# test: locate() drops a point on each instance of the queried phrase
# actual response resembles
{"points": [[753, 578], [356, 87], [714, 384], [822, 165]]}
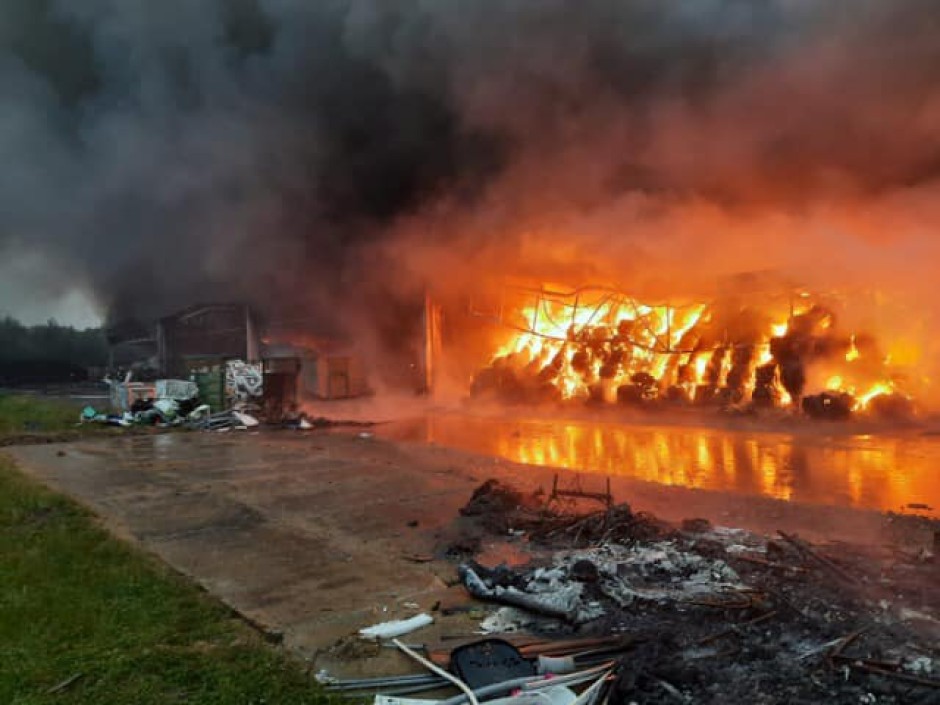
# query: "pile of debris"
{"points": [[639, 611], [167, 402], [175, 403], [500, 509]]}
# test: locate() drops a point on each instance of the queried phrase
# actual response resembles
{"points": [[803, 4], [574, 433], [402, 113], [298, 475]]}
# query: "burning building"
{"points": [[436, 146], [754, 343]]}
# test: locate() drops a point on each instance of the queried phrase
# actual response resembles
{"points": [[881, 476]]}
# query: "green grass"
{"points": [[28, 414], [74, 600]]}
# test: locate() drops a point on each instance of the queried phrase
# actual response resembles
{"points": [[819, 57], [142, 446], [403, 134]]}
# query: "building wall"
{"points": [[216, 331]]}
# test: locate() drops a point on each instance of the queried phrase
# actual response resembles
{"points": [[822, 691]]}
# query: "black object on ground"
{"points": [[829, 406], [489, 661]]}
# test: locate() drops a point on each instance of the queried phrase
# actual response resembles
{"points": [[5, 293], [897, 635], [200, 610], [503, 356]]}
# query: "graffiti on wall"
{"points": [[244, 381]]}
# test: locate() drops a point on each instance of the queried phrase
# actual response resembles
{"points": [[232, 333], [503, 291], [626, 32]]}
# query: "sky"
{"points": [[29, 292]]}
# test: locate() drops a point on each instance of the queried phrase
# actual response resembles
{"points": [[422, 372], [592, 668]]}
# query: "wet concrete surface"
{"points": [[810, 462], [302, 534], [308, 533]]}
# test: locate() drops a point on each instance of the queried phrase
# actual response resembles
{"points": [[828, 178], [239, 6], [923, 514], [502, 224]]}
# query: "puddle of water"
{"points": [[876, 472]]}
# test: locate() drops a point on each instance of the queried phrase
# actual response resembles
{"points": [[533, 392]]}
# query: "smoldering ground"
{"points": [[292, 153]]}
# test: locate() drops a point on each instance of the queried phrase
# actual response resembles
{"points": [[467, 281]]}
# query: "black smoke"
{"points": [[173, 152], [276, 151]]}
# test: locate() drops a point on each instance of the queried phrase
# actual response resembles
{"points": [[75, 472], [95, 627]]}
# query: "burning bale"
{"points": [[831, 406], [892, 406], [602, 346]]}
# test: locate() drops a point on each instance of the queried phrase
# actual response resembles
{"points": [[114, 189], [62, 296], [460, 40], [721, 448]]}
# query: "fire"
{"points": [[853, 353], [861, 401], [600, 345], [878, 389], [592, 347]]}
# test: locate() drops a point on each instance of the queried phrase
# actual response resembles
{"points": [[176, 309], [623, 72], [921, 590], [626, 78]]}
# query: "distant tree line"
{"points": [[48, 352]]}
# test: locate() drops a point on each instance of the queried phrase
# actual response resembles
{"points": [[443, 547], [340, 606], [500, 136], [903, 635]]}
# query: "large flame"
{"points": [[603, 341], [602, 345]]}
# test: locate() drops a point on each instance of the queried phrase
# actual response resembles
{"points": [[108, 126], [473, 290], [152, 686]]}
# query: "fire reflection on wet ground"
{"points": [[886, 472]]}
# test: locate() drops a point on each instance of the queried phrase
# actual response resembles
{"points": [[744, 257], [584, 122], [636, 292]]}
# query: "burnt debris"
{"points": [[708, 614]]}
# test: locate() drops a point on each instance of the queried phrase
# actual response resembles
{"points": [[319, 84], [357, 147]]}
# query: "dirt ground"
{"points": [[313, 535]]}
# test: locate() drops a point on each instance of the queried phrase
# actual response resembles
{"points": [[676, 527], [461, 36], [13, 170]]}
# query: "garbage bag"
{"points": [[176, 389], [168, 408]]}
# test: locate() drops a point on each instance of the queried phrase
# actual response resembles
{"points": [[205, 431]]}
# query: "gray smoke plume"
{"points": [[170, 152], [284, 151]]}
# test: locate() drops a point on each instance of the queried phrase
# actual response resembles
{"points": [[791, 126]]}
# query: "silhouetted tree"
{"points": [[48, 352]]}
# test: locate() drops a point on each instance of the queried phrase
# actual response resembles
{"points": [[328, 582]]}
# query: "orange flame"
{"points": [[592, 344]]}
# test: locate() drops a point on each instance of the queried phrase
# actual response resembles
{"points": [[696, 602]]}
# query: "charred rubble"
{"points": [[705, 614]]}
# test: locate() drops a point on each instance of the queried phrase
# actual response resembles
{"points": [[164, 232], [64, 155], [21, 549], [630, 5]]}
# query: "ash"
{"points": [[721, 615]]}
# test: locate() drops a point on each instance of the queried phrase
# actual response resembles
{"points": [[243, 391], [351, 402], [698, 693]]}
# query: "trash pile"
{"points": [[222, 421], [168, 402], [176, 403], [164, 403], [498, 672], [625, 608], [578, 586]]}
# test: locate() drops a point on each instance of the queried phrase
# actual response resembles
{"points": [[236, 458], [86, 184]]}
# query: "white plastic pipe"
{"points": [[439, 671], [395, 628]]}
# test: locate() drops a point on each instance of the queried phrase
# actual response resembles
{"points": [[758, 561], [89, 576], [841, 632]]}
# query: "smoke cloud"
{"points": [[287, 152]]}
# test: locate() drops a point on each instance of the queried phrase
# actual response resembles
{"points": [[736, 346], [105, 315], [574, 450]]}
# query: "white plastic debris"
{"points": [[658, 572], [394, 700], [559, 695], [507, 620], [906, 614], [556, 664], [246, 420], [397, 627], [168, 408], [177, 389], [199, 412], [920, 666], [438, 671], [736, 549]]}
